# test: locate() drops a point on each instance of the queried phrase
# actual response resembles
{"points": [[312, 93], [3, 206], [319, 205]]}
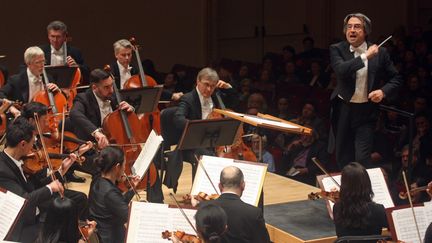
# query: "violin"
{"points": [[149, 120], [36, 160], [404, 195], [332, 196], [202, 196], [182, 236]]}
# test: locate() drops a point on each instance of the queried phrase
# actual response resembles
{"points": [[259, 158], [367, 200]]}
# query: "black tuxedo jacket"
{"points": [[345, 66], [12, 180], [245, 222], [75, 53], [16, 88], [85, 114]]}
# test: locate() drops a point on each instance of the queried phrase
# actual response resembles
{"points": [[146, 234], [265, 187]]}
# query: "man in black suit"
{"points": [[359, 67], [58, 53], [245, 222], [122, 69], [24, 85], [20, 140]]}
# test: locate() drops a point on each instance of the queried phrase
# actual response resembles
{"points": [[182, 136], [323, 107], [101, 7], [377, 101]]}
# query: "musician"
{"points": [[61, 224], [211, 224], [24, 85], [54, 51], [355, 213], [108, 207], [92, 106], [20, 140], [122, 69], [358, 65], [245, 222]]}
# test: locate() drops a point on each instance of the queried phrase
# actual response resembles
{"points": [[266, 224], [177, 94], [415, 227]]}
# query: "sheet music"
{"points": [[10, 206], [254, 175], [147, 154], [147, 221], [405, 227], [379, 187]]}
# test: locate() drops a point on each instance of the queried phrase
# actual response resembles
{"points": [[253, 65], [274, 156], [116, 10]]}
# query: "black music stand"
{"points": [[143, 99], [61, 75]]}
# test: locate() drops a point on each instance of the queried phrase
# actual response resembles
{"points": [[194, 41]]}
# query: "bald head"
{"points": [[231, 178]]}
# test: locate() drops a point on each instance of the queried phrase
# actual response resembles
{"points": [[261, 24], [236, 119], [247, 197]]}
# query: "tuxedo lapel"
{"points": [[196, 104], [93, 104], [17, 172], [25, 86]]}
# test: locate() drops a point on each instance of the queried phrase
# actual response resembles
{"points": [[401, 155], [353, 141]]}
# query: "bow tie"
{"points": [[37, 79], [360, 49]]}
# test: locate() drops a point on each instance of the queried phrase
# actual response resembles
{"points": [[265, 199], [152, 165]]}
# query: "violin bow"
{"points": [[316, 161], [51, 168], [207, 175], [183, 213], [133, 187], [411, 205], [62, 130]]}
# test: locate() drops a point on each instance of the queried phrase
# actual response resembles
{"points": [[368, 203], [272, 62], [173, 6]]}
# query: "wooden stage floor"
{"points": [[277, 189]]}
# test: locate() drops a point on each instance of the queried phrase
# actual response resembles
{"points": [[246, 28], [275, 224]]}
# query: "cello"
{"points": [[118, 127], [56, 101], [149, 120]]}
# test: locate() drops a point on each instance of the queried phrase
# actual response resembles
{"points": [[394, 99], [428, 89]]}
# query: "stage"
{"points": [[288, 218]]}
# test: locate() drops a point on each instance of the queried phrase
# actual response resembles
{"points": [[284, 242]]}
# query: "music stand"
{"points": [[143, 99], [209, 133], [61, 75]]}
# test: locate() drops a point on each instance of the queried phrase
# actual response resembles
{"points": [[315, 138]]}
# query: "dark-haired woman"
{"points": [[61, 223], [210, 222], [356, 213], [107, 205]]}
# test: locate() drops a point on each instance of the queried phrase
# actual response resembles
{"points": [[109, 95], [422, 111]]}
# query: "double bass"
{"points": [[149, 120], [124, 129]]}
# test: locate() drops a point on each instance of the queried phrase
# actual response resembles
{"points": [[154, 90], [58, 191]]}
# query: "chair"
{"points": [[363, 239]]}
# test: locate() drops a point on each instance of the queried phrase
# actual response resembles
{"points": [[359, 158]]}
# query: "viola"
{"points": [[118, 127], [182, 236], [332, 196], [149, 120]]}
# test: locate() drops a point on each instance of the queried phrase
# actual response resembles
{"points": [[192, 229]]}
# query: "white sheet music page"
{"points": [[254, 174], [147, 221], [379, 187], [405, 227], [180, 223], [10, 206], [147, 154]]}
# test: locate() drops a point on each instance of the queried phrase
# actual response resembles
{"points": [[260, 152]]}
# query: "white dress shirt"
{"points": [[125, 74], [104, 107], [206, 105], [35, 84], [57, 57], [361, 87]]}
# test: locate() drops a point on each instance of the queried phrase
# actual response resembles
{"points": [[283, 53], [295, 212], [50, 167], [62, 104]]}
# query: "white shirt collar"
{"points": [[56, 52], [360, 49], [33, 78], [201, 97], [101, 102], [122, 68], [18, 163]]}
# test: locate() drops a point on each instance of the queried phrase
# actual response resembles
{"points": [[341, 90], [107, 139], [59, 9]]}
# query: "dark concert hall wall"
{"points": [[192, 32]]}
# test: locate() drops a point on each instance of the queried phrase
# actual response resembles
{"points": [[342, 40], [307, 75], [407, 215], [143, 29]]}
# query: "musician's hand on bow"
{"points": [[371, 51], [376, 96], [176, 96], [70, 61], [101, 139], [14, 111], [135, 180], [52, 87], [126, 107], [223, 85], [56, 186]]}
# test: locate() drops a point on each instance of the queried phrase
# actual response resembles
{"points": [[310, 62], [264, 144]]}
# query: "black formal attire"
{"points": [[189, 108], [245, 222], [12, 180], [75, 53], [428, 234], [165, 95], [109, 208], [376, 220], [354, 123], [16, 88]]}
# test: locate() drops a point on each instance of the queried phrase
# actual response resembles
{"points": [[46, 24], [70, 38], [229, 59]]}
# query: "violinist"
{"points": [[24, 85], [61, 224], [20, 140], [210, 223], [245, 222], [108, 206], [355, 213], [79, 198], [122, 69], [91, 107], [57, 50]]}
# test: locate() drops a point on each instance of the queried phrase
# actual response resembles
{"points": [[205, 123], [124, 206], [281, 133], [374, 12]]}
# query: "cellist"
{"points": [[24, 85], [123, 70]]}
